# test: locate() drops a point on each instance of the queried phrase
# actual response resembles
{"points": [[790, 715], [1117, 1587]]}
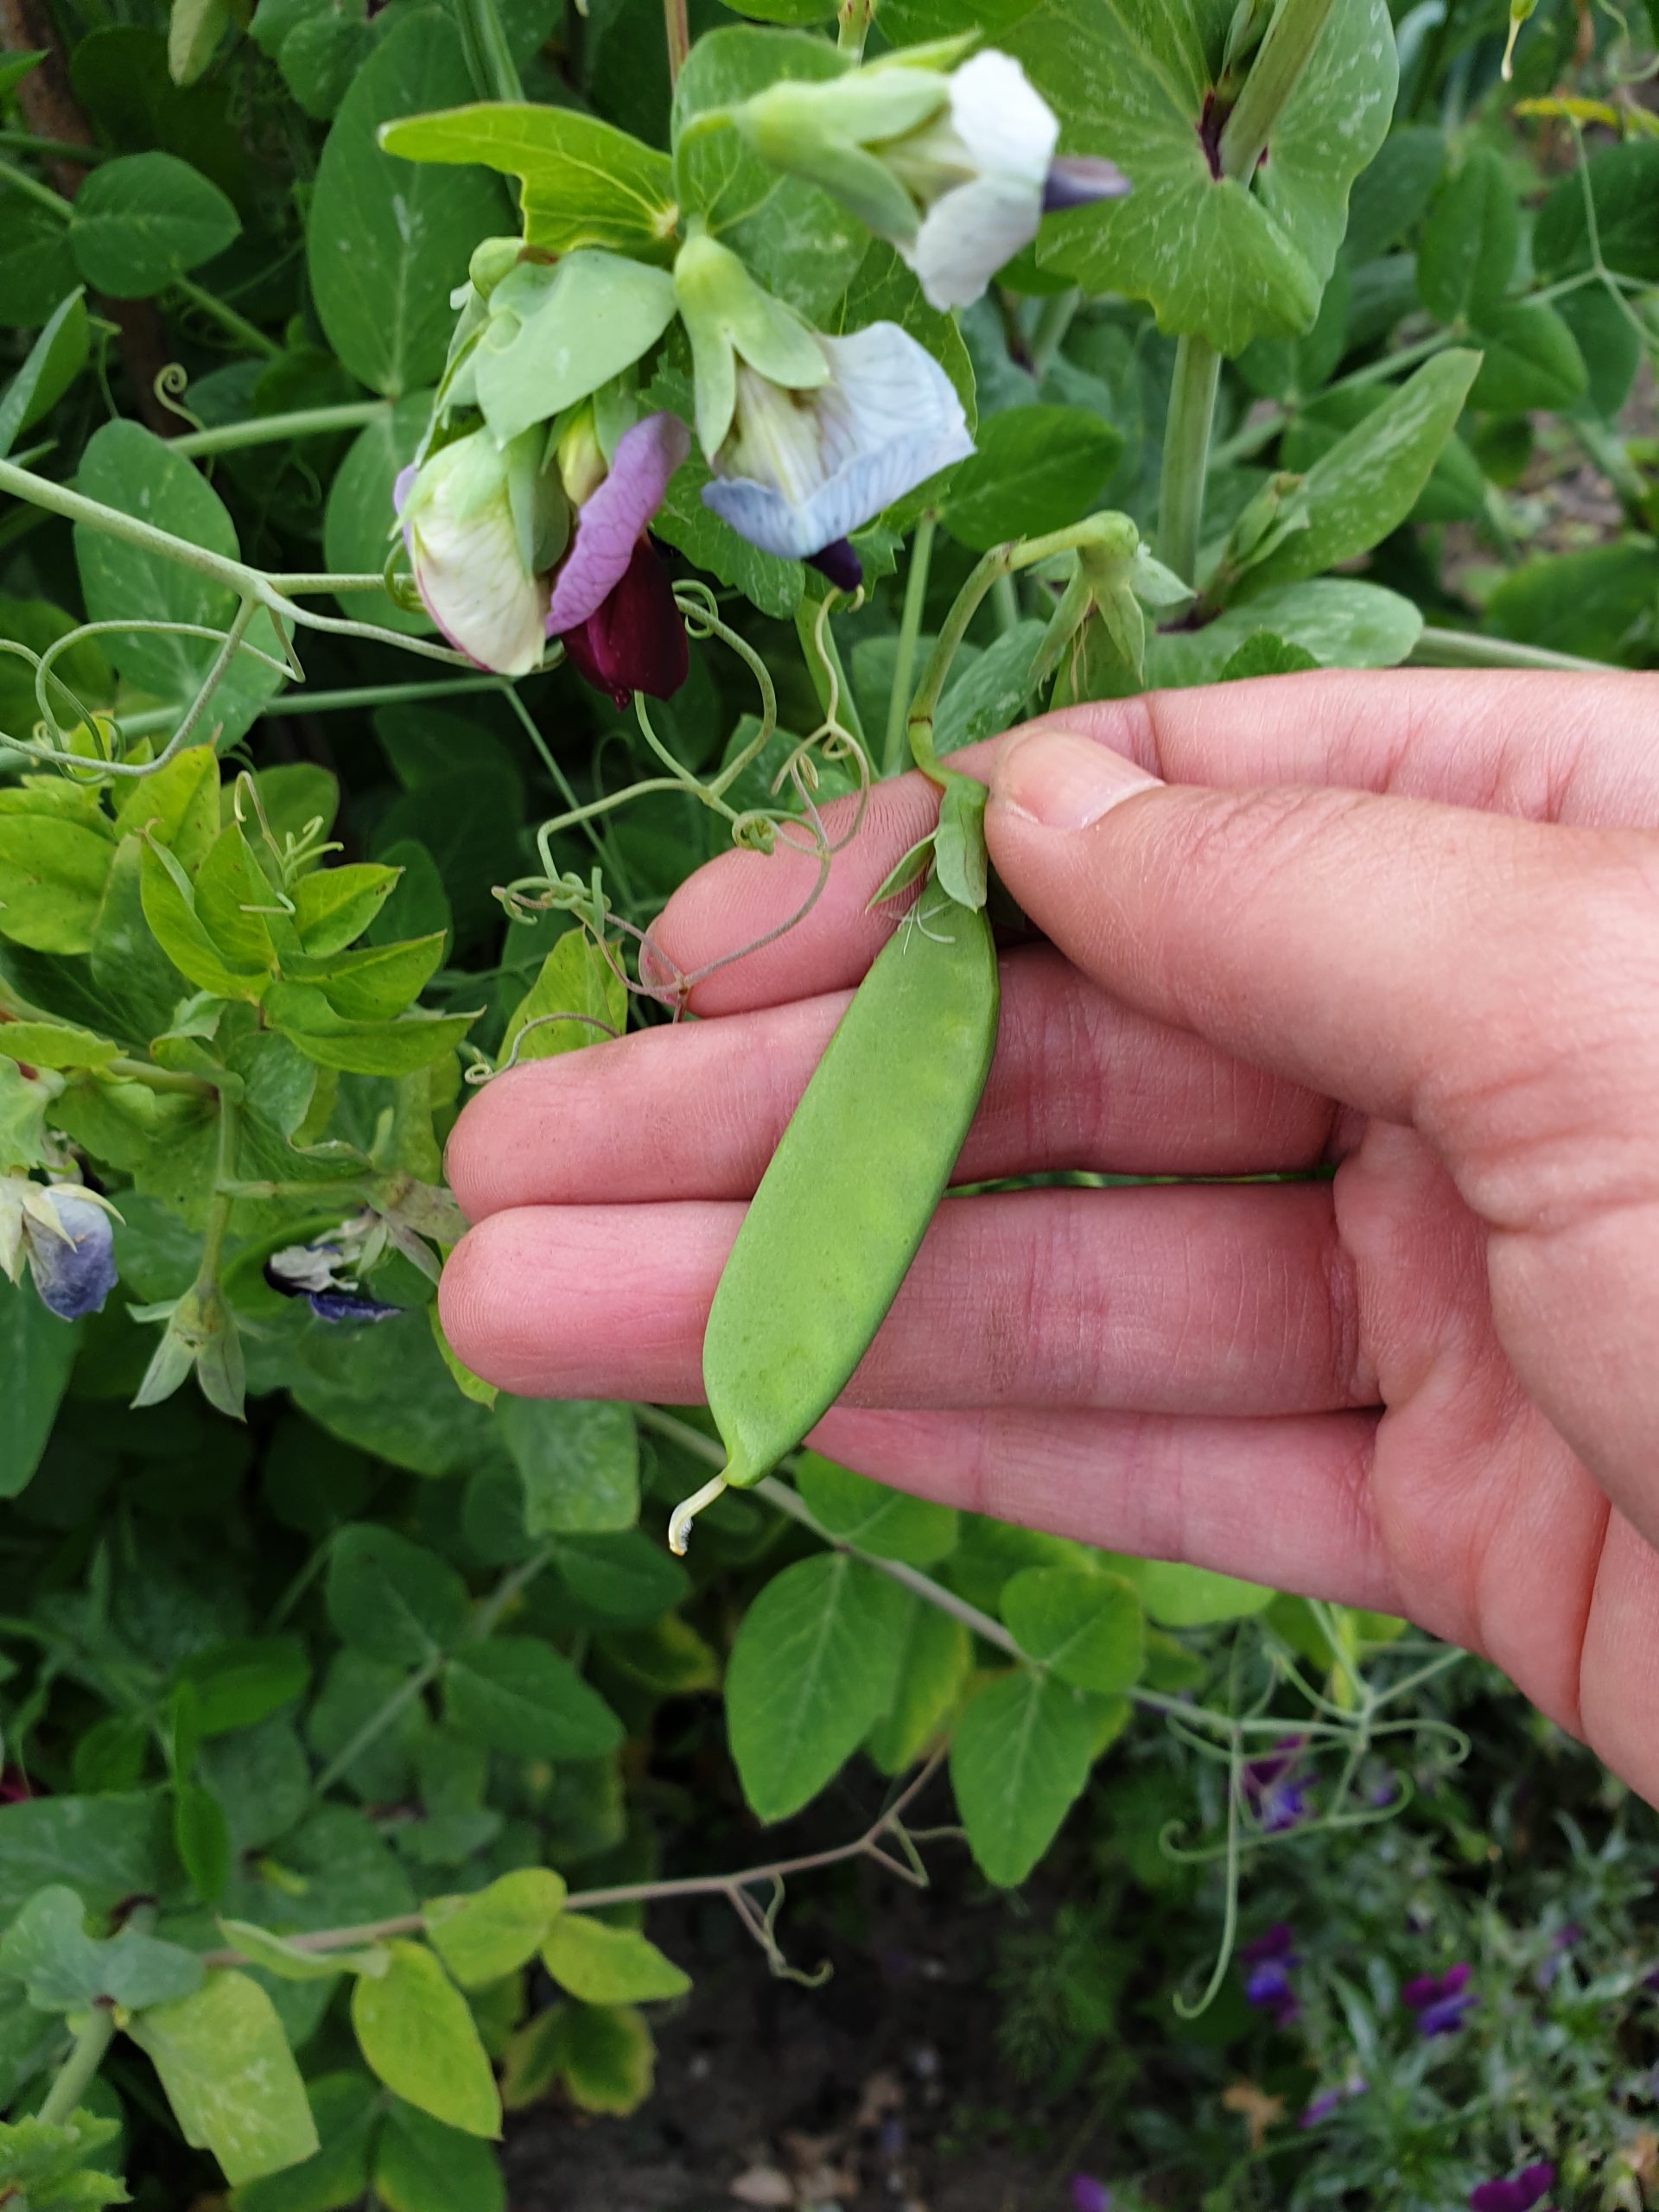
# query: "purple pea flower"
{"points": [[1088, 2194], [1269, 1961], [1520, 2194], [63, 1230], [1327, 2100], [612, 602], [1274, 1791], [1441, 2001]]}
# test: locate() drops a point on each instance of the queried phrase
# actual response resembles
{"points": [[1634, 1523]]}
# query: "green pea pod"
{"points": [[850, 1190]]}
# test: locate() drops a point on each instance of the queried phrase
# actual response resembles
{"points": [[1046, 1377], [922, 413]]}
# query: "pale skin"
{"points": [[1406, 923]]}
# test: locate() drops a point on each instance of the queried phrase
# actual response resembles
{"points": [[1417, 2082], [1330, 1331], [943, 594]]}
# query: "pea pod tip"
{"points": [[680, 1520]]}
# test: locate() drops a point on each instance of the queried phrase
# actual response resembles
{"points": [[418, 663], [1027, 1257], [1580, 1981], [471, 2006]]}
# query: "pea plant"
{"points": [[723, 423]]}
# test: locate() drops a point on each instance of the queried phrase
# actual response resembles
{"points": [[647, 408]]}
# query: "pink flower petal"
{"points": [[608, 527]]}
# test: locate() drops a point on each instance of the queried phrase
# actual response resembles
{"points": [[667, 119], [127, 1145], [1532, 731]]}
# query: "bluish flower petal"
{"points": [[348, 1306], [74, 1273]]}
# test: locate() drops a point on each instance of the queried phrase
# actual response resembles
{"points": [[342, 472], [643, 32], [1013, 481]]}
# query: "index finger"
{"points": [[1546, 747]]}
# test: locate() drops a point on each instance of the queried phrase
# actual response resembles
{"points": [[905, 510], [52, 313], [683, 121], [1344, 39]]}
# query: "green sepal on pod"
{"points": [[847, 1198]]}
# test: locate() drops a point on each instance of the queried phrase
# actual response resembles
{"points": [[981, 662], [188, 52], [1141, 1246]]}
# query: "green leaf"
{"points": [[387, 1390], [390, 1598], [579, 1462], [230, 2076], [605, 2058], [43, 2168], [414, 2028], [201, 1838], [170, 908], [108, 1848], [1529, 360], [1369, 480], [55, 1045], [1471, 241], [52, 362], [52, 879], [81, 679], [798, 242], [1087, 1628], [1036, 469], [866, 1514], [357, 522], [375, 983], [386, 242], [1210, 256], [142, 219], [346, 2108], [575, 978], [585, 183], [64, 1969], [1264, 654], [31, 260], [274, 1955], [1192, 1596], [240, 1684], [129, 469], [37, 1351], [1390, 196], [496, 1929], [815, 1663], [625, 1580], [193, 30], [1609, 342], [1339, 621], [1600, 603], [302, 1013], [932, 1672], [558, 334], [1020, 1756], [334, 906], [420, 2165], [1624, 185], [233, 903], [178, 806], [604, 1965], [517, 1694]]}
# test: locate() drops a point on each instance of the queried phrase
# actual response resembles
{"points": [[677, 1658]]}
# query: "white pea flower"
{"points": [[483, 524], [800, 470], [954, 168]]}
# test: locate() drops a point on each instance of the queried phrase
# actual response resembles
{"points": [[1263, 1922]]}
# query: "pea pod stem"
{"points": [[679, 1521]]}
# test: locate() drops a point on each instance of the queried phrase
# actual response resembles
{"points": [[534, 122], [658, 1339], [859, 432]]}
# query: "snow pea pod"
{"points": [[850, 1190]]}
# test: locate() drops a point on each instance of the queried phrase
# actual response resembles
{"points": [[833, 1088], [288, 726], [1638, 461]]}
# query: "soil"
{"points": [[880, 2090]]}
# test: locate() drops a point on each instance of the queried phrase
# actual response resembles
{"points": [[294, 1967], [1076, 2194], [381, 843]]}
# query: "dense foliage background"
{"points": [[381, 1693]]}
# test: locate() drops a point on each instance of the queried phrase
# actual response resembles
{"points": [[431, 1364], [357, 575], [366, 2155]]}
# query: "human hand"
{"points": [[1405, 923]]}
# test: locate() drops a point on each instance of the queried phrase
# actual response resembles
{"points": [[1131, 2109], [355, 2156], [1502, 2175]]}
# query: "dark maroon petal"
{"points": [[1275, 1943], [840, 564], [636, 640], [1422, 1989]]}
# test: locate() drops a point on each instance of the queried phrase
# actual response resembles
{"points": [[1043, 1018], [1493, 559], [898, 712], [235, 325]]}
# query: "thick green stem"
{"points": [[75, 506], [494, 64], [1273, 75], [219, 1206], [121, 1069], [676, 30], [1187, 455], [1465, 649], [853, 26], [910, 631], [273, 429], [74, 2077]]}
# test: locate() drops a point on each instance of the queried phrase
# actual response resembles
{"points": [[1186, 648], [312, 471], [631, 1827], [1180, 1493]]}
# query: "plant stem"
{"points": [[823, 665], [32, 188], [1273, 75], [894, 756], [271, 430], [1005, 598], [236, 325], [75, 506], [494, 65], [1186, 455], [52, 150], [218, 1209], [121, 1070], [74, 2077], [853, 26], [1054, 319], [1465, 649], [676, 30]]}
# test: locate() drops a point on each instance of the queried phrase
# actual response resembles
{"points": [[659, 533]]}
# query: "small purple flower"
{"points": [[1274, 1791], [317, 1272], [1520, 2194], [63, 1231], [1441, 2001], [1269, 1961], [1088, 2194], [1327, 2100], [1081, 179]]}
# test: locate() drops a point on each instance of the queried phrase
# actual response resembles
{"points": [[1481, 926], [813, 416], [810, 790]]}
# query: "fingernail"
{"points": [[1062, 781]]}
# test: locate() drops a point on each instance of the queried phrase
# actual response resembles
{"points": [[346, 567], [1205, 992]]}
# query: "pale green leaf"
{"points": [[604, 1965], [496, 1929], [230, 2076], [414, 2028]]}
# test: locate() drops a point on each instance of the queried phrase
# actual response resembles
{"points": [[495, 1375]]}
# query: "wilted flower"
{"points": [[611, 602], [1441, 2001], [323, 1274], [954, 166], [1527, 2188], [1269, 1961], [63, 1230], [500, 569]]}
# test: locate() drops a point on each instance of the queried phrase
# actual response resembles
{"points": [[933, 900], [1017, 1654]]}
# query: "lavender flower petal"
{"points": [[73, 1272], [609, 525]]}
